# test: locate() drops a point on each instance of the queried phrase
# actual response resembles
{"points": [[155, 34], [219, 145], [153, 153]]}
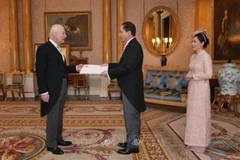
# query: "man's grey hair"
{"points": [[55, 28]]}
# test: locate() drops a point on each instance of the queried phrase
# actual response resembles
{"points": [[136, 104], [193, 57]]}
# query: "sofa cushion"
{"points": [[174, 83], [184, 81], [152, 79], [173, 80], [149, 77], [163, 80], [178, 81], [166, 85]]}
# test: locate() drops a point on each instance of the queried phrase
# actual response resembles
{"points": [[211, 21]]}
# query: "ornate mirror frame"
{"points": [[170, 26]]}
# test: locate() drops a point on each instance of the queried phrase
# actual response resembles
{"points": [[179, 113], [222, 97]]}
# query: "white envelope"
{"points": [[92, 69]]}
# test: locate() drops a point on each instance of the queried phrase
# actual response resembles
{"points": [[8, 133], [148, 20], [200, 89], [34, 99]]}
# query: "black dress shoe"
{"points": [[64, 143], [128, 150], [123, 145], [55, 150]]}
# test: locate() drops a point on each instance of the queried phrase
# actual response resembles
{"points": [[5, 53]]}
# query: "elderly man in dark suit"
{"points": [[130, 79], [52, 73]]}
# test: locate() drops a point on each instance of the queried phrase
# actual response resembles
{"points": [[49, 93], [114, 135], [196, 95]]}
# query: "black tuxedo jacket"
{"points": [[129, 74], [50, 70]]}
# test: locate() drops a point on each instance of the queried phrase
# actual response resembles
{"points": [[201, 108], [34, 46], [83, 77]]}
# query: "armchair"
{"points": [[113, 87], [17, 85], [2, 76]]}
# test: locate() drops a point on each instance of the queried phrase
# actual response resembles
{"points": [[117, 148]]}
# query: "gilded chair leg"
{"points": [[19, 95], [86, 93], [13, 96], [75, 97], [235, 109], [214, 101], [216, 92], [23, 95], [220, 107], [109, 95], [215, 97], [229, 107], [78, 93], [5, 96]]}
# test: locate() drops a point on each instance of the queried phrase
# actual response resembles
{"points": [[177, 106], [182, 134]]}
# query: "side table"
{"points": [[231, 100], [214, 87], [79, 81]]}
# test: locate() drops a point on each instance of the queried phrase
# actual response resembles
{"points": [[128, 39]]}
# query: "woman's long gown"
{"points": [[198, 118]]}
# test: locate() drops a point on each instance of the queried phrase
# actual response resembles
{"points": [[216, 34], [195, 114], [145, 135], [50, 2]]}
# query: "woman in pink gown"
{"points": [[198, 117]]}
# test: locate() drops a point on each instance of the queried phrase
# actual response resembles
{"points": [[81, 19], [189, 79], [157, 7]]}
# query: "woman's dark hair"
{"points": [[202, 38], [129, 26]]}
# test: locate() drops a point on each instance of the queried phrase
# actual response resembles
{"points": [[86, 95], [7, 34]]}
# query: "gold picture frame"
{"points": [[66, 49], [225, 31], [78, 27]]}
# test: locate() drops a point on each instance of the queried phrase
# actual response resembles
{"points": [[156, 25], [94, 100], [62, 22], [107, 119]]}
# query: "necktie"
{"points": [[60, 50]]}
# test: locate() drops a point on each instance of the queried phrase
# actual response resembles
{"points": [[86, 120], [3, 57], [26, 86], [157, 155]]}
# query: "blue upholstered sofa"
{"points": [[165, 85]]}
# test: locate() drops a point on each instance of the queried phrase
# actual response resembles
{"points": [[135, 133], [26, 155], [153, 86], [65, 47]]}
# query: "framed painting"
{"points": [[65, 50], [78, 27], [226, 31]]}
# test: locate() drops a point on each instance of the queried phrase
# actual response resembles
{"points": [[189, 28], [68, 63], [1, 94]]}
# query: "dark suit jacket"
{"points": [[129, 74], [50, 70]]}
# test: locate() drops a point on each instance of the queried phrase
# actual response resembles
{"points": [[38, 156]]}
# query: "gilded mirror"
{"points": [[161, 30]]}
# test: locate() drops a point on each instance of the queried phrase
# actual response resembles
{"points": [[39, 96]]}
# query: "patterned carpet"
{"points": [[225, 136], [95, 127]]}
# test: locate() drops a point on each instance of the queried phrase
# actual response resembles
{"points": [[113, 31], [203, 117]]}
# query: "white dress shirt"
{"points": [[58, 48]]}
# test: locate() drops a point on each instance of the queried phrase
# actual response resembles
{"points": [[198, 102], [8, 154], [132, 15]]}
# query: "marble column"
{"points": [[120, 20], [107, 43], [13, 36], [13, 41], [201, 14], [204, 18], [107, 34], [30, 78], [27, 36]]}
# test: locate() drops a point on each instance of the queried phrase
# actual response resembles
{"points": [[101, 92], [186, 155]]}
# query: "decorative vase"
{"points": [[229, 78], [164, 60]]}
